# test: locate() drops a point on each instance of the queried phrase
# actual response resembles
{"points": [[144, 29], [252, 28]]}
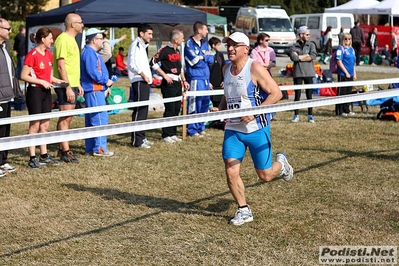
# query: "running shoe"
{"points": [[243, 215]]}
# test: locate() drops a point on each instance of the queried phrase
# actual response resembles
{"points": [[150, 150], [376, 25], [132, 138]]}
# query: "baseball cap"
{"points": [[91, 33], [237, 37], [302, 29]]}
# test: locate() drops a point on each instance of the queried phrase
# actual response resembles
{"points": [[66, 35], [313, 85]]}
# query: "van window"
{"points": [[239, 22], [275, 25], [298, 22], [346, 22], [247, 23], [332, 21], [254, 26], [313, 23]]}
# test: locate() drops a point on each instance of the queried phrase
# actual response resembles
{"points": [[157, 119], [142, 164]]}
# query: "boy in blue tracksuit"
{"points": [[198, 59], [95, 82]]}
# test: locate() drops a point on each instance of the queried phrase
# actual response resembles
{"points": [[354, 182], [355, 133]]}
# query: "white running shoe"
{"points": [[286, 171], [175, 138], [144, 146], [197, 135], [7, 168], [295, 119], [243, 215], [146, 141], [168, 140]]}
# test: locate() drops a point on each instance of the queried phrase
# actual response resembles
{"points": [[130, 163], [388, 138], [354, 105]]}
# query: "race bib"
{"points": [[232, 104]]}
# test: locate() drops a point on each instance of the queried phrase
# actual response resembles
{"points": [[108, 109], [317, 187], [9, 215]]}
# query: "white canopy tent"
{"points": [[354, 7], [386, 7]]}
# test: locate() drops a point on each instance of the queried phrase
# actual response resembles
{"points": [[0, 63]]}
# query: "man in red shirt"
{"points": [[121, 67]]}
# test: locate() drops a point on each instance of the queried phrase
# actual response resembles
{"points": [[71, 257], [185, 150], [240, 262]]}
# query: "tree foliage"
{"points": [[19, 9]]}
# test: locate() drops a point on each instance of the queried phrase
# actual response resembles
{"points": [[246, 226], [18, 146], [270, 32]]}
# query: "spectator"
{"points": [[230, 27], [198, 60], [372, 43], [95, 83], [121, 67], [9, 87], [216, 74], [265, 55], [358, 40], [108, 47], [394, 52], [327, 44], [302, 53], [37, 72], [341, 35], [167, 63], [386, 56], [248, 85], [346, 60], [20, 49], [67, 67], [141, 78]]}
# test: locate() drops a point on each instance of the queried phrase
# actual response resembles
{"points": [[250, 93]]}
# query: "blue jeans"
{"points": [[20, 64]]}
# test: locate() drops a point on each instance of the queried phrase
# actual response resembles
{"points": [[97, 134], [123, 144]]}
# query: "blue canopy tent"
{"points": [[119, 13]]}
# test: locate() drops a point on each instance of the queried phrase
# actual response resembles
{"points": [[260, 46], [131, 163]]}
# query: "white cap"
{"points": [[302, 29], [91, 33], [237, 37]]}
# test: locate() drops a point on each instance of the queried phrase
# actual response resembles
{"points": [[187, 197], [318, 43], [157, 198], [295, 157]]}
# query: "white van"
{"points": [[318, 23], [271, 20]]}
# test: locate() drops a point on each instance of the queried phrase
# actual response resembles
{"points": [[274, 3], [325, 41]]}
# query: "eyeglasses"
{"points": [[80, 22], [234, 45], [9, 29]]}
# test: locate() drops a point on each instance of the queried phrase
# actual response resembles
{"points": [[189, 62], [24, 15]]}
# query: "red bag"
{"points": [[328, 92]]}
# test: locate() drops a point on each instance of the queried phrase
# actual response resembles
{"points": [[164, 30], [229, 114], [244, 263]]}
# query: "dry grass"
{"points": [[170, 205]]}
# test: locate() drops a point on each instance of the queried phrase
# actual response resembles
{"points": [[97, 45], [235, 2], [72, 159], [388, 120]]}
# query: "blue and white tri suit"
{"points": [[241, 92]]}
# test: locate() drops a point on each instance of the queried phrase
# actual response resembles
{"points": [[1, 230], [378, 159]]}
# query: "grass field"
{"points": [[170, 205]]}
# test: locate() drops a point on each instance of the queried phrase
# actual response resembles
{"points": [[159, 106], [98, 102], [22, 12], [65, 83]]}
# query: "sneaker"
{"points": [[34, 164], [176, 138], [344, 114], [168, 140], [286, 171], [197, 135], [2, 173], [7, 168], [310, 119], [203, 133], [295, 119], [144, 146], [49, 160], [146, 141], [351, 113], [68, 157], [103, 154], [243, 215]]}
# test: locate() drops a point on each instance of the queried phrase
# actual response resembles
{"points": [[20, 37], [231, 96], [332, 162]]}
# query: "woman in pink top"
{"points": [[263, 53]]}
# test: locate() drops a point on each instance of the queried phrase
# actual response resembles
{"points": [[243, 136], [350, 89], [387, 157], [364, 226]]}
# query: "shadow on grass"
{"points": [[164, 204], [348, 154]]}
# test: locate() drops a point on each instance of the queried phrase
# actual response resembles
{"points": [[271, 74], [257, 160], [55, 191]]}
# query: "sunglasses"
{"points": [[266, 40], [307, 34], [9, 29], [348, 39]]}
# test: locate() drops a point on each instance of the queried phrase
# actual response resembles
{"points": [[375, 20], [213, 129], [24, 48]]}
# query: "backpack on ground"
{"points": [[327, 76], [389, 110], [333, 61]]}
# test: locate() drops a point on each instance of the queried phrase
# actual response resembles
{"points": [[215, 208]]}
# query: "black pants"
{"points": [[357, 46], [372, 56], [141, 92], [343, 108], [5, 129], [172, 108], [299, 81]]}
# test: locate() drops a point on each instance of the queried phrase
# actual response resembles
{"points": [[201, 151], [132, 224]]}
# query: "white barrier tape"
{"points": [[36, 117], [89, 132]]}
